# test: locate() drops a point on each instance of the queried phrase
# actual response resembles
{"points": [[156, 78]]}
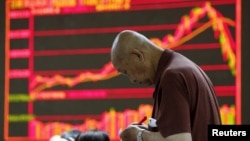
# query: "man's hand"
{"points": [[130, 133]]}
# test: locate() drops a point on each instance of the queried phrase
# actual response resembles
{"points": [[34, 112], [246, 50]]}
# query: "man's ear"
{"points": [[138, 54]]}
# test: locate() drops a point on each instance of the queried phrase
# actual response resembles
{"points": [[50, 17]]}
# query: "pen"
{"points": [[142, 120]]}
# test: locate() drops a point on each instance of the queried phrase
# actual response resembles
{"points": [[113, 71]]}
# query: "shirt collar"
{"points": [[163, 62]]}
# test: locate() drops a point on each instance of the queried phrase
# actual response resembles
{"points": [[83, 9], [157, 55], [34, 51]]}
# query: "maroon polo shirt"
{"points": [[184, 97]]}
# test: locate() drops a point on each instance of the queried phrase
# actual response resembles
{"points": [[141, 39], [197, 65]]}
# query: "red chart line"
{"points": [[178, 3], [66, 72], [72, 51], [75, 72], [161, 4], [103, 30], [106, 50], [216, 67], [200, 46], [114, 93], [150, 6], [66, 117]]}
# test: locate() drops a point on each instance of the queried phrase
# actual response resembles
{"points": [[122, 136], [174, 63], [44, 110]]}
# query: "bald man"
{"points": [[184, 99]]}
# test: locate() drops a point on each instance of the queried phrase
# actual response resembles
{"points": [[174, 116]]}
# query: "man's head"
{"points": [[135, 56]]}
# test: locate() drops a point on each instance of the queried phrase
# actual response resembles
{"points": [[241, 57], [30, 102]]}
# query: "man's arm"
{"points": [[131, 132], [156, 136]]}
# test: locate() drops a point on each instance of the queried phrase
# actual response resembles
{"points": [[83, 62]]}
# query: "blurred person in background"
{"points": [[70, 135], [93, 135]]}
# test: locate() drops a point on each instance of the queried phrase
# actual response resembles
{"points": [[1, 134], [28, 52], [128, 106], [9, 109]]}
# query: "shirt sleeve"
{"points": [[174, 112]]}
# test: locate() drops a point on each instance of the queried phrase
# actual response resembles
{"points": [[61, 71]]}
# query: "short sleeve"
{"points": [[174, 113]]}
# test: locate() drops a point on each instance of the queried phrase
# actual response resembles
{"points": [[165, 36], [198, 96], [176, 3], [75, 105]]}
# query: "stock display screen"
{"points": [[58, 71]]}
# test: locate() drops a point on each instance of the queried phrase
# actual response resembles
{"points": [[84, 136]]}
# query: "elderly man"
{"points": [[184, 99]]}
